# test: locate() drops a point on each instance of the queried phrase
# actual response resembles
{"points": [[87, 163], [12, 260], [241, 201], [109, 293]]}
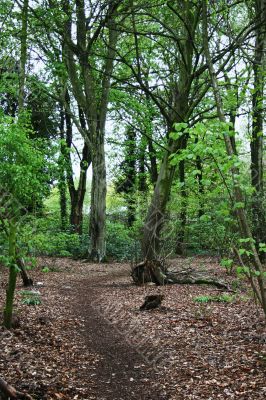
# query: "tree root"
{"points": [[155, 271]]}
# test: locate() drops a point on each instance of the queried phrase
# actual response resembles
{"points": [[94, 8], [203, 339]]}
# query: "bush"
{"points": [[121, 243], [60, 244]]}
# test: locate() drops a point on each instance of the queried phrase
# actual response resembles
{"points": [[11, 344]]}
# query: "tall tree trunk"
{"points": [[142, 182], [257, 140], [98, 201], [178, 113], [97, 248], [21, 94], [10, 293], [244, 227], [199, 177], [62, 177], [156, 212], [130, 171]]}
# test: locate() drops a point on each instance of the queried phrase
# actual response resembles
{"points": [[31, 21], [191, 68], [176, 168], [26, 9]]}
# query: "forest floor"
{"points": [[88, 340]]}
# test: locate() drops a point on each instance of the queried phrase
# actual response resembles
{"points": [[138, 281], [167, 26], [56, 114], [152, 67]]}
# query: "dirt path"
{"points": [[121, 373], [87, 340]]}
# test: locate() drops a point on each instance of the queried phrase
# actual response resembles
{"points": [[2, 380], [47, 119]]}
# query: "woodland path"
{"points": [[117, 376], [87, 340]]}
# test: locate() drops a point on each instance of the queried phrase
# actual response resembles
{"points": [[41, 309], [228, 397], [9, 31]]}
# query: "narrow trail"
{"points": [[121, 373]]}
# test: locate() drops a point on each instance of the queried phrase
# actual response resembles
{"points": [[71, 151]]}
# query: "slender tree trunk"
{"points": [[237, 191], [8, 311], [130, 170], [153, 162], [62, 177], [142, 182], [199, 177], [97, 230], [27, 281], [180, 245], [257, 140], [78, 195]]}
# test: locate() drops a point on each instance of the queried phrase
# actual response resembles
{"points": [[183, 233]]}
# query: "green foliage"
{"points": [[227, 263], [60, 244], [46, 269], [121, 244], [30, 298], [222, 298], [22, 172]]}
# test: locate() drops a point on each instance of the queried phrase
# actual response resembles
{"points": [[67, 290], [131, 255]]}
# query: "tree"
{"points": [[173, 101], [90, 84], [251, 251], [21, 181], [257, 137], [184, 105]]}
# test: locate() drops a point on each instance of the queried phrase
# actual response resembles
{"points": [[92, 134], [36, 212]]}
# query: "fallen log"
{"points": [[8, 392], [155, 271]]}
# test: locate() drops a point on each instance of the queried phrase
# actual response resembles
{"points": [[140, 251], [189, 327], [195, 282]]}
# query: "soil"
{"points": [[88, 340]]}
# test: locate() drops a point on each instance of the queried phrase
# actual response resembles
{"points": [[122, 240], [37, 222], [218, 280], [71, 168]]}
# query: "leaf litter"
{"points": [[88, 340]]}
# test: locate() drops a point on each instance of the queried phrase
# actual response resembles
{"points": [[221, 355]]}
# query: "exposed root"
{"points": [[155, 271]]}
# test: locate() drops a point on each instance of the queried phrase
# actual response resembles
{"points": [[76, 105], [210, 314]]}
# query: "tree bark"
{"points": [[77, 195], [98, 202], [27, 281], [180, 245], [97, 248], [10, 293], [153, 162], [156, 213], [62, 173]]}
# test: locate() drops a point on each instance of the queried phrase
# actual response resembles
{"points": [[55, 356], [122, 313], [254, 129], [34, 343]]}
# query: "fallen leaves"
{"points": [[187, 350]]}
